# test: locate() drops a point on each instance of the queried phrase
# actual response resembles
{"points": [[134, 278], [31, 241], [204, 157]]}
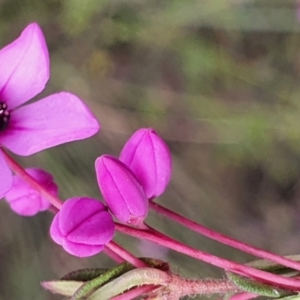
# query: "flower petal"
{"points": [[76, 211], [27, 201], [97, 229], [6, 177], [82, 226], [148, 156], [24, 206], [54, 120], [24, 66], [81, 250], [121, 191], [55, 230]]}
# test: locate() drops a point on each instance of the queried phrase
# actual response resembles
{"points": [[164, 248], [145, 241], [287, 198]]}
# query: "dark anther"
{"points": [[4, 116]]}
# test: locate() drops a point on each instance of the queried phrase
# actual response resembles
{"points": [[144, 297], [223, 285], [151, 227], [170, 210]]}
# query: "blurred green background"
{"points": [[220, 82]]}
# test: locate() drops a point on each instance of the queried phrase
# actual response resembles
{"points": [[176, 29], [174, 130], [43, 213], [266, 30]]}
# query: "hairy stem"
{"points": [[135, 292]]}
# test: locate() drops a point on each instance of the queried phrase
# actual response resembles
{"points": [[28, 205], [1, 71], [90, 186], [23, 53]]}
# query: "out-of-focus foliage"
{"points": [[218, 80]]}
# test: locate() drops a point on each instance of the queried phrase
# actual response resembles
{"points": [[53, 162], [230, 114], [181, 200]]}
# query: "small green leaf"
{"points": [[133, 278], [90, 286], [266, 265], [294, 297], [253, 286], [62, 287], [84, 274]]}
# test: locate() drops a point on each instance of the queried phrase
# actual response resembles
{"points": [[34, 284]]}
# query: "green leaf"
{"points": [[253, 286], [266, 265], [84, 274], [131, 279], [90, 286], [294, 297], [62, 287]]}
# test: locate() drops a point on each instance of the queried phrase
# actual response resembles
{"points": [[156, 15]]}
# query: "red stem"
{"points": [[222, 238], [119, 252], [166, 241], [134, 293], [243, 296], [125, 255], [18, 170], [118, 259], [181, 287]]}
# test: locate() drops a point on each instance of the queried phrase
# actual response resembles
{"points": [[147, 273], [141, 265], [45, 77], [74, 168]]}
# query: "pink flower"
{"points": [[25, 200], [54, 120], [148, 156], [82, 227], [121, 191]]}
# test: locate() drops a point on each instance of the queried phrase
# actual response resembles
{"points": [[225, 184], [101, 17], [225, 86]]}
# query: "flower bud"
{"points": [[148, 156], [82, 226], [27, 201], [121, 190]]}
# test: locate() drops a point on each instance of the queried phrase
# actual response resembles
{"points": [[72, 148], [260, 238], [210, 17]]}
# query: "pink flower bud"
{"points": [[82, 226], [25, 200], [121, 190], [148, 156]]}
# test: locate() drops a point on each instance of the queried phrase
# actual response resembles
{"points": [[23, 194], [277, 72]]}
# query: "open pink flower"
{"points": [[27, 201], [82, 226], [56, 119]]}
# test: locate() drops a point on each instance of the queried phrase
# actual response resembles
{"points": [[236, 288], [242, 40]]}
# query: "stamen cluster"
{"points": [[4, 115]]}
